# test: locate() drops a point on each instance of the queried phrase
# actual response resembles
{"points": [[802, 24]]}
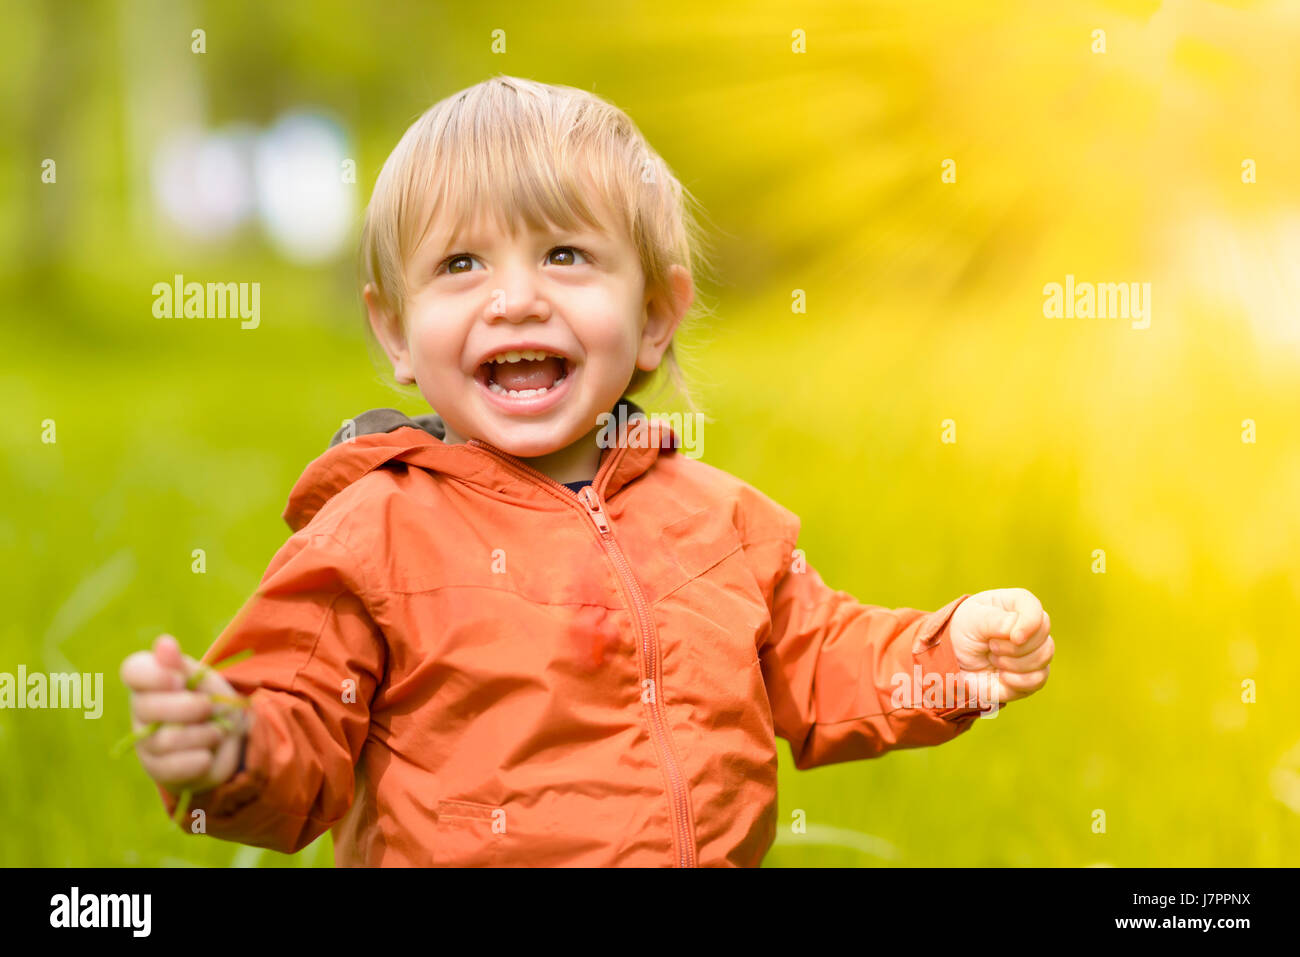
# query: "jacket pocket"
{"points": [[468, 834], [716, 599], [699, 541]]}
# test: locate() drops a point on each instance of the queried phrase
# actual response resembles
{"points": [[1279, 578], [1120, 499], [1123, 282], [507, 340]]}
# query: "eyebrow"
{"points": [[581, 235]]}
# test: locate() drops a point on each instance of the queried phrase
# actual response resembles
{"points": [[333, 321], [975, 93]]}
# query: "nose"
{"points": [[517, 297]]}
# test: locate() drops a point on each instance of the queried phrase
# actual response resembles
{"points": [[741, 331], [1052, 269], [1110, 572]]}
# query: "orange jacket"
{"points": [[459, 661]]}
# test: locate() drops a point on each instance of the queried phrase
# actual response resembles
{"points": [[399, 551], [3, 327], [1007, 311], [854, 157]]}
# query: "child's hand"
{"points": [[1005, 630], [194, 745]]}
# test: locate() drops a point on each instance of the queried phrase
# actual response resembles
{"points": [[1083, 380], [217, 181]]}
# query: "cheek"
{"points": [[433, 355], [612, 330]]}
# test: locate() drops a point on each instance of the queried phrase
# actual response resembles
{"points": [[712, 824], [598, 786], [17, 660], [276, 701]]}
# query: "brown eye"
{"points": [[568, 251], [452, 263]]}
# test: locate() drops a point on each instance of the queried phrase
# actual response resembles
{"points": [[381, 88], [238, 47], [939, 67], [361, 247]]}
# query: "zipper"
{"points": [[649, 646], [588, 499]]}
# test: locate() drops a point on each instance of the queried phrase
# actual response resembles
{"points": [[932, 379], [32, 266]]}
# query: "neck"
{"points": [[577, 462]]}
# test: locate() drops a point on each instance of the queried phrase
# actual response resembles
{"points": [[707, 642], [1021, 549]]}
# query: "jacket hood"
{"points": [[378, 437]]}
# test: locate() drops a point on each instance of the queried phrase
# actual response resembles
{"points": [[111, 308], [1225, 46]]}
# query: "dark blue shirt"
{"points": [[577, 486]]}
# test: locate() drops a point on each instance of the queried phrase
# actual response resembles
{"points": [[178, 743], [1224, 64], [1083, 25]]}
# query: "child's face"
{"points": [[580, 294]]}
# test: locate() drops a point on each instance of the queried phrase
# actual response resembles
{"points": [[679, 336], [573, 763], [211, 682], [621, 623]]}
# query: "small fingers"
{"points": [[1034, 622], [1031, 642], [1030, 661], [167, 651], [174, 707], [141, 672], [176, 738], [1021, 685], [1031, 628], [179, 767], [203, 677]]}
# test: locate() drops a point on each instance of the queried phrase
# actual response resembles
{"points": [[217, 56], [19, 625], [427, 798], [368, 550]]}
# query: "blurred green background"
{"points": [[820, 171]]}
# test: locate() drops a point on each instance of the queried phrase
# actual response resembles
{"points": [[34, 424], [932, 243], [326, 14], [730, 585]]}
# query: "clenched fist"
{"points": [[1006, 631]]}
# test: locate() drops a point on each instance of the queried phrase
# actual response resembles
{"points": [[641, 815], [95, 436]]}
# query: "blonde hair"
{"points": [[521, 148]]}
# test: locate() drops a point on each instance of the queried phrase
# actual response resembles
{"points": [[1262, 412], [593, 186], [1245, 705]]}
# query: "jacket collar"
{"points": [[379, 436]]}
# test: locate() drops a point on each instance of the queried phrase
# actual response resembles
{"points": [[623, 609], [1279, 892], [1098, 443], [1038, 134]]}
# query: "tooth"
{"points": [[515, 394], [514, 355]]}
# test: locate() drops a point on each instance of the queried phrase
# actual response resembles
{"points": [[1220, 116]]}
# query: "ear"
{"points": [[663, 313], [388, 330]]}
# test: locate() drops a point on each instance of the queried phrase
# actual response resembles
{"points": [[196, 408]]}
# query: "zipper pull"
{"points": [[594, 508]]}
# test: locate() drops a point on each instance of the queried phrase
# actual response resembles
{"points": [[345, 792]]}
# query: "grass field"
{"points": [[185, 436]]}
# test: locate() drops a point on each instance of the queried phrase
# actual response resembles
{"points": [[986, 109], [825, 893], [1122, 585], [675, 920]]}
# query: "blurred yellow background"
{"points": [[1162, 150]]}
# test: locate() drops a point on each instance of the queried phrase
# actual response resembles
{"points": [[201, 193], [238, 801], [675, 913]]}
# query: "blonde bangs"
{"points": [[515, 176]]}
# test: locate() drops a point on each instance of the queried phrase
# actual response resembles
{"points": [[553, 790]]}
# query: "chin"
{"points": [[526, 442]]}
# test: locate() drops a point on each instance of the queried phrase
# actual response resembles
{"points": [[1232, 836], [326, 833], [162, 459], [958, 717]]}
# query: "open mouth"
{"points": [[523, 374]]}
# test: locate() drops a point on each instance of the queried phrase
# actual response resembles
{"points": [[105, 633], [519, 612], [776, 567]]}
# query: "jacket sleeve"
{"points": [[841, 675], [317, 658]]}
